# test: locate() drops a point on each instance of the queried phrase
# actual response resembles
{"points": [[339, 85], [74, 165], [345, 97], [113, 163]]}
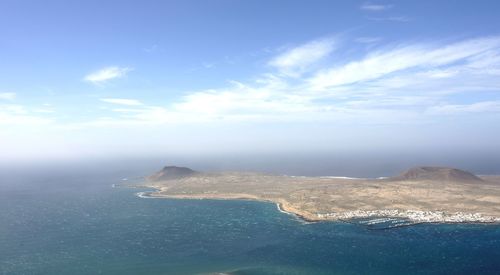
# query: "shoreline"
{"points": [[415, 216], [282, 207]]}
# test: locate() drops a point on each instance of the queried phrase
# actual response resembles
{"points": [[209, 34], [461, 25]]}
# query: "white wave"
{"points": [[344, 178], [144, 195]]}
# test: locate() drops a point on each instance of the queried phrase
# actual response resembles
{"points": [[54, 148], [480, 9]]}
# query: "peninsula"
{"points": [[421, 194]]}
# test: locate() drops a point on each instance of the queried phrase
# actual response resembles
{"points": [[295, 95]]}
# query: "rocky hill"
{"points": [[437, 174], [171, 172]]}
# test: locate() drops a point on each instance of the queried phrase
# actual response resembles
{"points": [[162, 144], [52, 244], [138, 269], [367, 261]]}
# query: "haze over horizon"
{"points": [[105, 79]]}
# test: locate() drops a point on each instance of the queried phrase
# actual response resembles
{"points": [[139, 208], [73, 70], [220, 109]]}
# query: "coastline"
{"points": [[282, 206], [415, 216]]}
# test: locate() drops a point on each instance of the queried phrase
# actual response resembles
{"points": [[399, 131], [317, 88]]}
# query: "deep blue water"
{"points": [[79, 224]]}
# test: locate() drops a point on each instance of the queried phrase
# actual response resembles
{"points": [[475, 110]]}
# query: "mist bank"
{"points": [[351, 163]]}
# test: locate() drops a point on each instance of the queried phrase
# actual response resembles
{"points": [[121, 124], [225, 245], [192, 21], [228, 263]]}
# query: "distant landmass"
{"points": [[420, 194], [438, 174], [171, 172]]}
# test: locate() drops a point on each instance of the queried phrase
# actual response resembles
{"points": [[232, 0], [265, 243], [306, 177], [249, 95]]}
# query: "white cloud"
{"points": [[402, 85], [368, 40], [7, 96], [106, 74], [6, 118], [295, 61], [208, 65], [414, 57], [268, 99], [478, 107], [18, 115], [381, 86], [122, 101], [445, 73], [259, 101], [375, 7]]}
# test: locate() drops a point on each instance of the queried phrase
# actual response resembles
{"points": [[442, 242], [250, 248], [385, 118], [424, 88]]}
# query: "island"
{"points": [[421, 194]]}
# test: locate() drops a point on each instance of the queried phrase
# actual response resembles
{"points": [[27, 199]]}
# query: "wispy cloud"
{"points": [[122, 101], [7, 96], [368, 39], [477, 107], [420, 56], [411, 82], [391, 18], [18, 115], [374, 7], [105, 74], [151, 48], [405, 79], [208, 65], [296, 60]]}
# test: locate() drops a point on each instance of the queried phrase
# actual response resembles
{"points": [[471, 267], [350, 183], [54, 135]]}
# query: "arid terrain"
{"points": [[421, 194]]}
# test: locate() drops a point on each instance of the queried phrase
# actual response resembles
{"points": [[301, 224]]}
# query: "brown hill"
{"points": [[171, 172], [438, 174]]}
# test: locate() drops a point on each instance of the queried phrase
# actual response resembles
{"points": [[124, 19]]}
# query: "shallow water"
{"points": [[80, 224]]}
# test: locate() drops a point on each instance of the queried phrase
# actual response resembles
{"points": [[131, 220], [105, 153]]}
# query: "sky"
{"points": [[91, 79]]}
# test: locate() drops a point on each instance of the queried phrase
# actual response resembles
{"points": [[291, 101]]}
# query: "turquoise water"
{"points": [[81, 225]]}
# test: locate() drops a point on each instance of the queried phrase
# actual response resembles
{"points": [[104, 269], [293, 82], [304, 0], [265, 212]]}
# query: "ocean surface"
{"points": [[78, 223]]}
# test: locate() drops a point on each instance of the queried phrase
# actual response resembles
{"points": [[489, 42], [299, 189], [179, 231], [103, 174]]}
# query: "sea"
{"points": [[89, 221]]}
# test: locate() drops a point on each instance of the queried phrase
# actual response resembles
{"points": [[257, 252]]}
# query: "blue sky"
{"points": [[97, 78]]}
